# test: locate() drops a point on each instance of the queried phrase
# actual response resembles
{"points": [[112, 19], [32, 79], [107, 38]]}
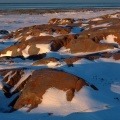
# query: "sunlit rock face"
{"points": [[87, 45], [64, 21], [43, 79]]}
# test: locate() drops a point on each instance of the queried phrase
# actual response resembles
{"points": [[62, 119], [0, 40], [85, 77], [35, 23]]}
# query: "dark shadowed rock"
{"points": [[116, 56], [10, 79], [3, 33]]}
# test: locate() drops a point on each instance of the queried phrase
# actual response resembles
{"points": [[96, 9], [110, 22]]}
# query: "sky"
{"points": [[56, 1]]}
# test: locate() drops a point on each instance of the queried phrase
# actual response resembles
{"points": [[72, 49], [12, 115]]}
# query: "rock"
{"points": [[62, 41], [92, 57], [106, 55], [54, 21], [63, 31], [87, 45], [28, 48], [45, 61], [3, 33], [71, 60], [11, 78], [66, 21], [43, 79], [38, 45], [116, 56], [9, 36]]}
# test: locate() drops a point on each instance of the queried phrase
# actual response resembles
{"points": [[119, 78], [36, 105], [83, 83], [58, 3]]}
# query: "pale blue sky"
{"points": [[55, 1]]}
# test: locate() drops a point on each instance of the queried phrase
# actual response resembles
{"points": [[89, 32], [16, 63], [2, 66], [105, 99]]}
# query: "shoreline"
{"points": [[43, 11]]}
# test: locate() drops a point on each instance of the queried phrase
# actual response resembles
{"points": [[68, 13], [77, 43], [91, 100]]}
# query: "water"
{"points": [[56, 5]]}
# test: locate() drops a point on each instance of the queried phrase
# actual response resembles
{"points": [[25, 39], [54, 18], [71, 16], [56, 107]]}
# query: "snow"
{"points": [[101, 25], [115, 16], [8, 74], [54, 101], [18, 49], [116, 87], [24, 77], [53, 64], [10, 77], [109, 39], [29, 37], [84, 24], [43, 34], [87, 103], [25, 51], [44, 48], [8, 53], [97, 19], [13, 22]]}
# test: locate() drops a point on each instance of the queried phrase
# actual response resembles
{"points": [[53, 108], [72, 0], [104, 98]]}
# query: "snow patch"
{"points": [[84, 25], [101, 25], [44, 34], [10, 77], [25, 51], [8, 74], [54, 101], [18, 50], [29, 37], [8, 53], [115, 16], [97, 19], [116, 87], [53, 64], [109, 39], [44, 48]]}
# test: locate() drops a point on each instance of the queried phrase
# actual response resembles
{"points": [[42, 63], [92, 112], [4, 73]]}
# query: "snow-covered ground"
{"points": [[13, 22], [87, 104]]}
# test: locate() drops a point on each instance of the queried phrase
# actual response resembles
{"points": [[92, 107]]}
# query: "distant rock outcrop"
{"points": [[64, 21]]}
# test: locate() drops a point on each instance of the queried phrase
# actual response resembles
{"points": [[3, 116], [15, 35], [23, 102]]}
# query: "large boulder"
{"points": [[43, 79], [87, 45]]}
